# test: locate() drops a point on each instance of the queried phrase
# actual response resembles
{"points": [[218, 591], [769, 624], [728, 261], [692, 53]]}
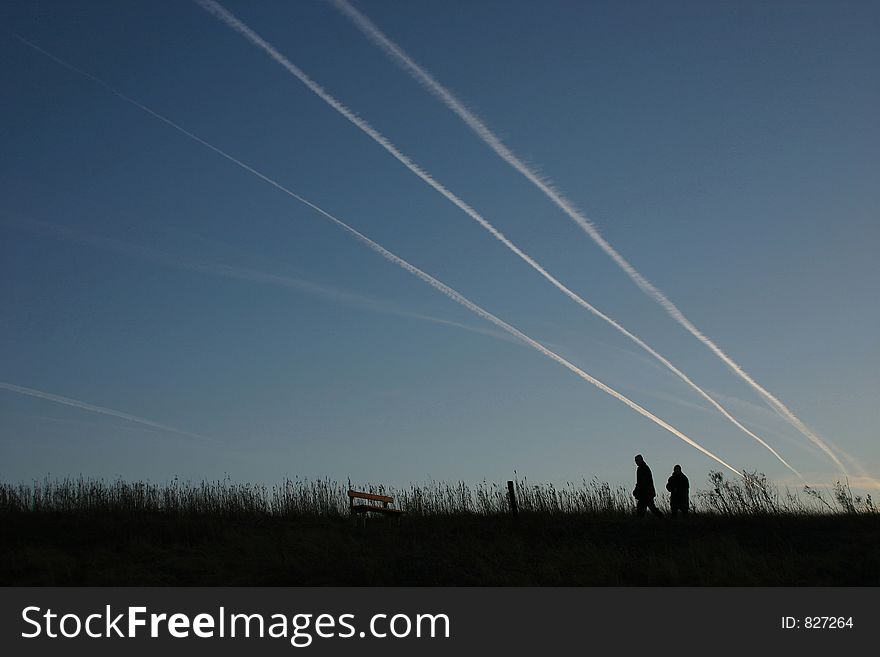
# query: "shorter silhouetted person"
{"points": [[678, 487], [644, 491]]}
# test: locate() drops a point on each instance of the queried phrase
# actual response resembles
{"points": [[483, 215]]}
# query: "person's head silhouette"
{"points": [[677, 468], [639, 459]]}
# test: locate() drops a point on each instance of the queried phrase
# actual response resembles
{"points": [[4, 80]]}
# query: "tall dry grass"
{"points": [[753, 495]]}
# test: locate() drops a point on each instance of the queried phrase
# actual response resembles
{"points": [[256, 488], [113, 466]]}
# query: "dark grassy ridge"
{"points": [[744, 532], [158, 549]]}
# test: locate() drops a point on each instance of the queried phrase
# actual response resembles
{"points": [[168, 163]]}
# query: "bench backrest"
{"points": [[352, 494]]}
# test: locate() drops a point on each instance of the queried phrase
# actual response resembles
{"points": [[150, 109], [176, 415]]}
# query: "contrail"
{"points": [[58, 399], [485, 314], [427, 278], [494, 142], [245, 274], [230, 20], [341, 296]]}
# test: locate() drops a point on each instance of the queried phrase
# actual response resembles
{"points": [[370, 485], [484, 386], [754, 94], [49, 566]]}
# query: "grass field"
{"points": [[92, 532]]}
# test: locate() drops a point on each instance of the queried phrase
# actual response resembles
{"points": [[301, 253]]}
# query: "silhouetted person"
{"points": [[678, 487], [644, 491]]}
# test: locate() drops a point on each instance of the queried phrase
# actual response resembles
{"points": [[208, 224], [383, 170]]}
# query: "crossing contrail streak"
{"points": [[494, 142], [245, 274], [58, 399], [230, 20], [427, 278]]}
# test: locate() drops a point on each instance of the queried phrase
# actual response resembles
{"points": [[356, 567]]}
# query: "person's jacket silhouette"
{"points": [[644, 491], [678, 487]]}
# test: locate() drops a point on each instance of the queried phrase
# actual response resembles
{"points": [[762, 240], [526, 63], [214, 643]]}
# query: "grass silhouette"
{"points": [[741, 532]]}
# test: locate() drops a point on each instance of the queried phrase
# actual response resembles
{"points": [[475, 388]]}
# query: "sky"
{"points": [[168, 313]]}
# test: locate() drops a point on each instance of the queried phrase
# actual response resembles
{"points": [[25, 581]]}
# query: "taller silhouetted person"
{"points": [[678, 487], [644, 491]]}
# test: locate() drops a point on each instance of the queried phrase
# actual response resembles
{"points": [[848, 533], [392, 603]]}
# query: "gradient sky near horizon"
{"points": [[727, 150]]}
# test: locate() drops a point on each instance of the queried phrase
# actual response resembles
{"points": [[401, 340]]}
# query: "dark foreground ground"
{"points": [[155, 549]]}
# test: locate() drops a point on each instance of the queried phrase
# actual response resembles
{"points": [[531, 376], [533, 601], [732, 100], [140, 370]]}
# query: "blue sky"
{"points": [[728, 151]]}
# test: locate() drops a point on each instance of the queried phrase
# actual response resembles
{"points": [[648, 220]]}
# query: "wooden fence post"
{"points": [[511, 497]]}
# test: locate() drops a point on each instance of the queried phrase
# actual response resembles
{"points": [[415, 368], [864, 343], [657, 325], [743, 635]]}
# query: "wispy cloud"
{"points": [[242, 273], [826, 480], [100, 424], [75, 403], [229, 19], [479, 127]]}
